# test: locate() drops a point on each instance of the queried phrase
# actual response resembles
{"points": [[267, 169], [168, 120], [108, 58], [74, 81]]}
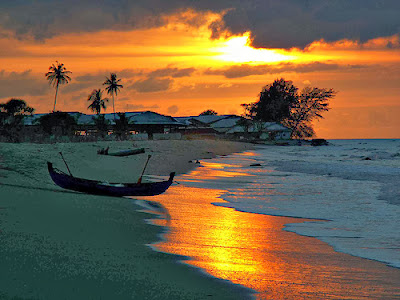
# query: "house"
{"points": [[148, 124], [196, 127], [230, 126], [263, 131], [223, 125], [136, 122]]}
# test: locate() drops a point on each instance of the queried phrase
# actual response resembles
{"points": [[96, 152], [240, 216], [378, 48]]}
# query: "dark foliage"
{"points": [[97, 101], [121, 125], [311, 102], [275, 102], [208, 112], [102, 124], [58, 123], [12, 114], [280, 102]]}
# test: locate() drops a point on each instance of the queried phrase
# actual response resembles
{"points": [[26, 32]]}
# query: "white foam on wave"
{"points": [[329, 183]]}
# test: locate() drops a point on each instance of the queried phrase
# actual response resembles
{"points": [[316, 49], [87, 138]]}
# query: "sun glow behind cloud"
{"points": [[237, 50]]}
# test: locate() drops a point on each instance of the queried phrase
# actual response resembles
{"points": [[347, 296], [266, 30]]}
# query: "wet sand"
{"points": [[253, 250]]}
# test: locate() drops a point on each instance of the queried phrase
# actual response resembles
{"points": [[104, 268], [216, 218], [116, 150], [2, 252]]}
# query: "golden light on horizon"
{"points": [[237, 49]]}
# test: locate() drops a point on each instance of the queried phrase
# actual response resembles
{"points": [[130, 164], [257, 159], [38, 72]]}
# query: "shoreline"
{"points": [[327, 178], [365, 267]]}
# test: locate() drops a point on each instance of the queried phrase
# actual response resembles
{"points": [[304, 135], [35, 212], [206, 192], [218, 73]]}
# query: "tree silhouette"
{"points": [[121, 126], [12, 114], [281, 102], [97, 101], [311, 102], [57, 75], [58, 123], [15, 107], [275, 102], [208, 112], [101, 124], [113, 87]]}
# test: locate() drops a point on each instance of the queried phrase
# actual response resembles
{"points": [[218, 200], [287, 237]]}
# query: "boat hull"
{"points": [[110, 189], [125, 152]]}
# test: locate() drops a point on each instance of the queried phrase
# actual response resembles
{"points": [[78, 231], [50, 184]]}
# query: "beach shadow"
{"points": [[38, 188]]}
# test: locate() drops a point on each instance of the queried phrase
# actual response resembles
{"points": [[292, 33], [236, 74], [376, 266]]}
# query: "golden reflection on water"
{"points": [[254, 251], [214, 170]]}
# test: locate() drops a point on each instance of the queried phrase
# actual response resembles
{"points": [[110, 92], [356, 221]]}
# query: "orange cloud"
{"points": [[346, 44]]}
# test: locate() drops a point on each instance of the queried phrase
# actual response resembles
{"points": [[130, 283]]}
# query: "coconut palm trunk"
{"points": [[55, 99], [113, 106]]}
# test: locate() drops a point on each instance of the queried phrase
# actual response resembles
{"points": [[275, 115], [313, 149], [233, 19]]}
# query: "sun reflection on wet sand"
{"points": [[254, 251]]}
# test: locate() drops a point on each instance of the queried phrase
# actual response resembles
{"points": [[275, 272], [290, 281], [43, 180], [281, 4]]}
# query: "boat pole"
{"points": [[65, 163], [140, 178]]}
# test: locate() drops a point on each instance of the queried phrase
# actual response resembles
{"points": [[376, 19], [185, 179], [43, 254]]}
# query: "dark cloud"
{"points": [[140, 107], [173, 72], [160, 79], [127, 73], [152, 84], [280, 24], [100, 77], [91, 78], [248, 70], [91, 81], [80, 86], [19, 84], [294, 23]]}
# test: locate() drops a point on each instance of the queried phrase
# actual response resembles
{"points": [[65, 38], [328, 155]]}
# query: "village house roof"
{"points": [[223, 125], [151, 118], [228, 124], [137, 118], [203, 119], [266, 126], [272, 126]]}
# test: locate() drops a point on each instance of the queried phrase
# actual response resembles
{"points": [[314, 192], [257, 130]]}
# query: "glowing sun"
{"points": [[237, 49]]}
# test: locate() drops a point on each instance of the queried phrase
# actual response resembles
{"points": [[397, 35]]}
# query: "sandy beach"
{"points": [[56, 244]]}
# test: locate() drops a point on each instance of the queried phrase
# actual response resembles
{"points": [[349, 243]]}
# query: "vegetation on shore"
{"points": [[12, 115], [282, 102], [279, 101]]}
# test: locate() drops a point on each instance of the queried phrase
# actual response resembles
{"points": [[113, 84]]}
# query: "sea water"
{"points": [[352, 186]]}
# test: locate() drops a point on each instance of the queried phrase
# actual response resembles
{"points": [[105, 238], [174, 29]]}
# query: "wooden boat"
{"points": [[122, 152], [104, 188]]}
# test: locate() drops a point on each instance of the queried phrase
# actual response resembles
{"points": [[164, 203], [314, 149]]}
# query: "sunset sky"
{"points": [[182, 57]]}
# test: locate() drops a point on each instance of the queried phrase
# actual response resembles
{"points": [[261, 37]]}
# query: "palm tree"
{"points": [[112, 87], [57, 75], [97, 101]]}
